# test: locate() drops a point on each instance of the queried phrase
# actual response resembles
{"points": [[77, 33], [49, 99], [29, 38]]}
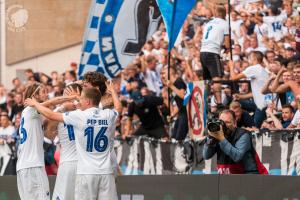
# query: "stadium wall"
{"points": [[190, 187], [42, 35]]}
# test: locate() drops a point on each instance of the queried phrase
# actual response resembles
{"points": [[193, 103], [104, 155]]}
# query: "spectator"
{"points": [[244, 120], [177, 85], [215, 34], [257, 75], [293, 85], [6, 129], [287, 115], [70, 77], [32, 76], [145, 107], [152, 74], [17, 106]]}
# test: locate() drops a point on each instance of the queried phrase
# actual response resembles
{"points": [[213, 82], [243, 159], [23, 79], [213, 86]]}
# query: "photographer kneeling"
{"points": [[234, 148]]}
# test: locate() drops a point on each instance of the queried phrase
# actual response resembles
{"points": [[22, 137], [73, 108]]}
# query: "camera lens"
{"points": [[213, 127]]}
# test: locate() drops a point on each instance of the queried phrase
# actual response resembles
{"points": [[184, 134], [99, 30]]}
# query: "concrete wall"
{"points": [[48, 39]]}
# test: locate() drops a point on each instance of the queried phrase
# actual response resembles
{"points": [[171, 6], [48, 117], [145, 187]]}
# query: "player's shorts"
{"points": [[211, 64], [33, 184], [65, 181], [95, 187]]}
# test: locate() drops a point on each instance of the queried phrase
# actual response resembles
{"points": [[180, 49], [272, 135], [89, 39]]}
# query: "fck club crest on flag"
{"points": [[115, 33]]}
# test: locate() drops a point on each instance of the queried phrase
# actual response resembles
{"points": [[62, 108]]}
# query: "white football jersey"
{"points": [[66, 137], [275, 24], [30, 150], [213, 35], [94, 131]]}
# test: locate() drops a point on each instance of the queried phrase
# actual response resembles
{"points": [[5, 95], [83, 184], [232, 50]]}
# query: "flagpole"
{"points": [[229, 24], [169, 53]]}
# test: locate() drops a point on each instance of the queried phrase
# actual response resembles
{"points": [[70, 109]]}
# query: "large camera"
{"points": [[214, 125]]}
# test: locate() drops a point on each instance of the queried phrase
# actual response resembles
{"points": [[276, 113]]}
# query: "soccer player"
{"points": [[215, 34], [94, 132], [65, 179], [31, 175], [97, 80]]}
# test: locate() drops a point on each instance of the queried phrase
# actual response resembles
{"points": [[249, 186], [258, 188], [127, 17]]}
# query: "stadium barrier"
{"points": [[190, 187], [279, 152]]}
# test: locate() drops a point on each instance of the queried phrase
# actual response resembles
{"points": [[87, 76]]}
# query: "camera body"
{"points": [[214, 125]]}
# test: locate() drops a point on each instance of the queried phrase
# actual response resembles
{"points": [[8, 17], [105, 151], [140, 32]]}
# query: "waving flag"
{"points": [[115, 33], [174, 13], [188, 93]]}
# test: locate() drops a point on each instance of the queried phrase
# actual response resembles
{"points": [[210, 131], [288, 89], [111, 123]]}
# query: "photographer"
{"points": [[234, 148]]}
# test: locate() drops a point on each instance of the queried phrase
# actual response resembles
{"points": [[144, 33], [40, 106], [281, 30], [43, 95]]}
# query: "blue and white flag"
{"points": [[188, 93], [174, 13], [115, 33]]}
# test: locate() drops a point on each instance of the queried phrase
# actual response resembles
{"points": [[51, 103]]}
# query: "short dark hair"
{"points": [[72, 73], [96, 79], [288, 107], [259, 56], [28, 70], [93, 94]]}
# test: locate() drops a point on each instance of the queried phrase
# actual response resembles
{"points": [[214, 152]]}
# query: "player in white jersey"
{"points": [[31, 175], [94, 131], [215, 34], [65, 179], [97, 80]]}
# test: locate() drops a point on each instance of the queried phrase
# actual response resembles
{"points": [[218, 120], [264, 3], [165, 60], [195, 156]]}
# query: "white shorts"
{"points": [[65, 181], [33, 184], [95, 187]]}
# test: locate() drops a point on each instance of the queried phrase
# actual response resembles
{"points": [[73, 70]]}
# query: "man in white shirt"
{"points": [[31, 175], [6, 129], [258, 75], [151, 73], [215, 33], [94, 131], [275, 22]]}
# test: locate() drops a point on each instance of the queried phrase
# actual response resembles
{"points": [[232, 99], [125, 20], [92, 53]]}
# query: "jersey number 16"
{"points": [[101, 141]]}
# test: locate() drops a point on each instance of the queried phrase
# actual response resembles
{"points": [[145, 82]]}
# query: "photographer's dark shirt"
{"points": [[246, 120], [179, 84], [148, 112]]}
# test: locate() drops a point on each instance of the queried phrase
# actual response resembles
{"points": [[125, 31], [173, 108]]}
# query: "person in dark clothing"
{"points": [[178, 88], [242, 117], [17, 106], [146, 108], [233, 145]]}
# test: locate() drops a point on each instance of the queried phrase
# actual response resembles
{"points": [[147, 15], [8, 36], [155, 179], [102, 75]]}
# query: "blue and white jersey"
{"points": [[275, 25], [66, 137], [213, 35], [30, 150], [94, 132]]}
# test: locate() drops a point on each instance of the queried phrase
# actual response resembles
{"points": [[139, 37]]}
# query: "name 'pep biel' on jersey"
{"points": [[213, 35], [30, 150], [94, 132]]}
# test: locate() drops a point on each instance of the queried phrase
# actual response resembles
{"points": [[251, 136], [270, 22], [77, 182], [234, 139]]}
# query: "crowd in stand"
{"points": [[263, 34]]}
